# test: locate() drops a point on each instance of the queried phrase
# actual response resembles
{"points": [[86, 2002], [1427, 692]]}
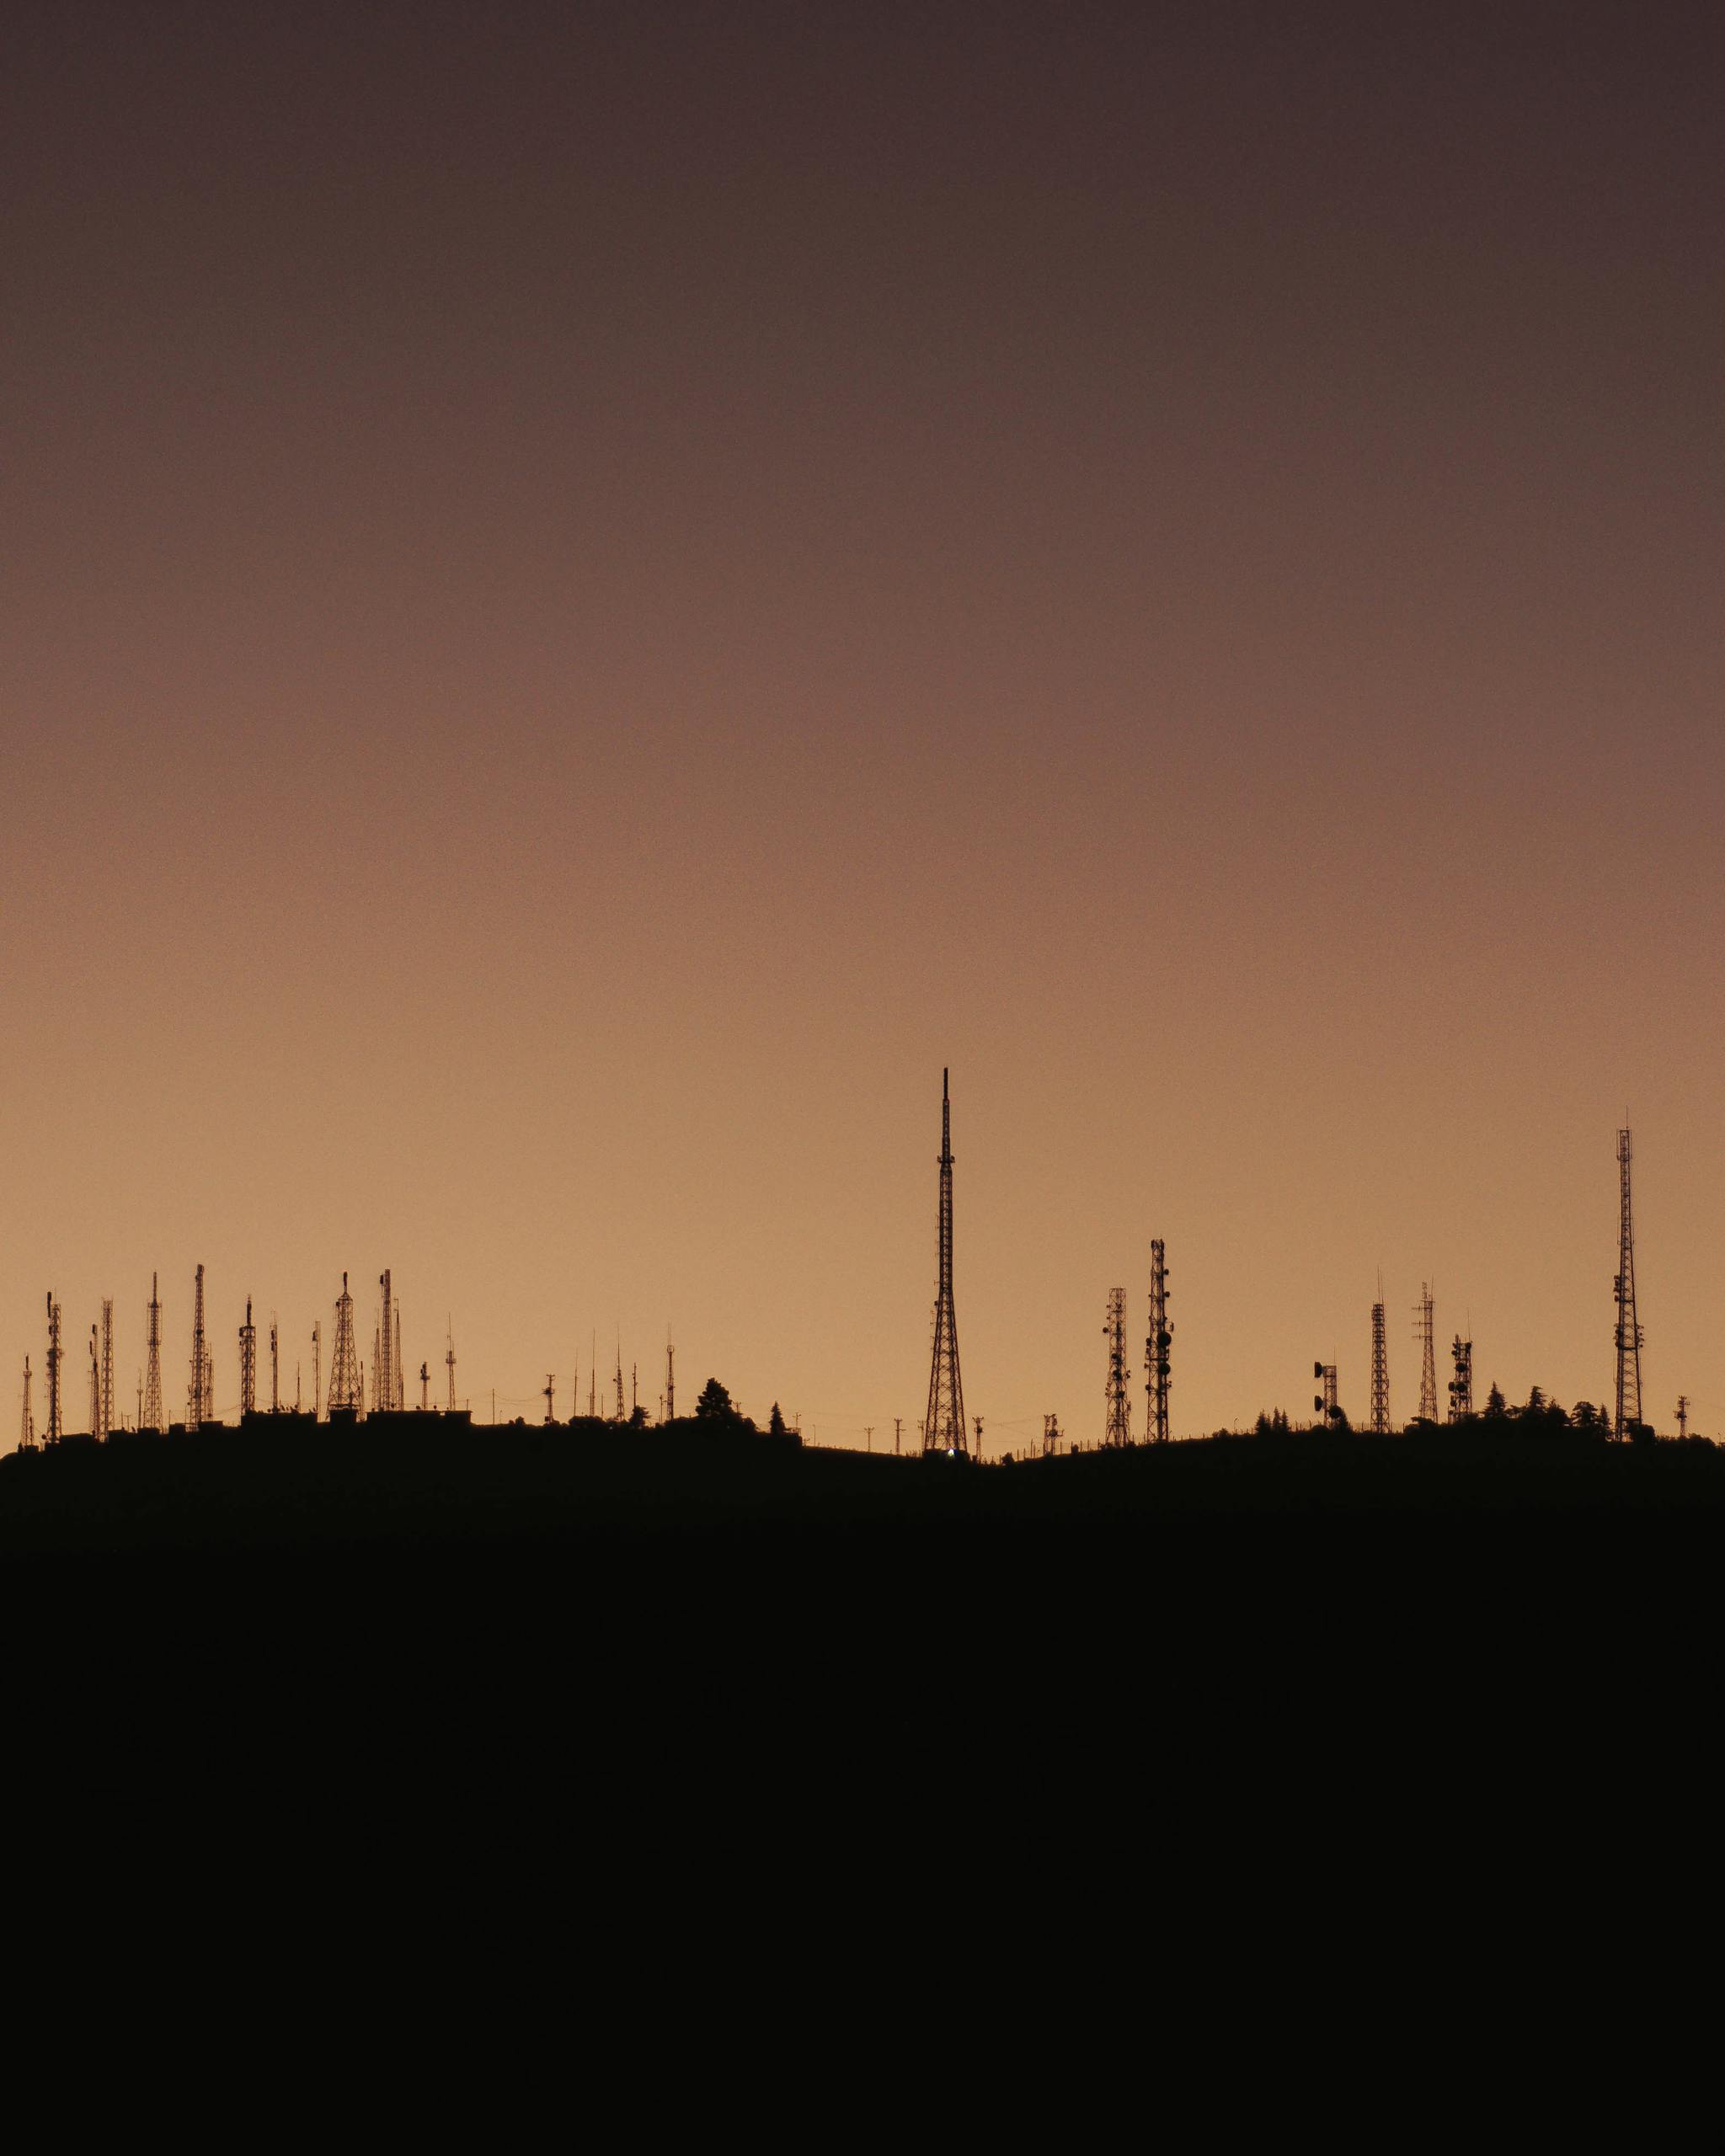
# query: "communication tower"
{"points": [[153, 1418], [344, 1393], [1117, 1427], [1379, 1373], [95, 1381], [54, 1430], [1630, 1336], [1462, 1384], [622, 1411], [1425, 1340], [1327, 1403], [1050, 1436], [317, 1366], [424, 1388], [1682, 1406], [1157, 1343], [449, 1364], [670, 1379], [384, 1359], [27, 1431], [275, 1367], [249, 1363], [107, 1365], [549, 1397], [197, 1412], [943, 1427]]}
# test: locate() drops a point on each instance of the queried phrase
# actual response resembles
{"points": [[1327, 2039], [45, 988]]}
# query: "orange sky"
{"points": [[588, 605]]}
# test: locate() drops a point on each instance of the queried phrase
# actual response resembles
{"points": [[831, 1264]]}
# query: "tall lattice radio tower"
{"points": [[944, 1429], [197, 1411], [249, 1363], [1425, 1340], [154, 1419], [345, 1365], [1627, 1419], [27, 1432], [1117, 1429], [107, 1399], [1157, 1343], [54, 1430], [1379, 1371]]}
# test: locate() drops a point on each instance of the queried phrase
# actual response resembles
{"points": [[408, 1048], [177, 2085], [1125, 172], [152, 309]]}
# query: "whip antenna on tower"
{"points": [[1116, 1424], [1158, 1340], [1626, 1421], [943, 1428], [153, 1415], [1424, 1340]]}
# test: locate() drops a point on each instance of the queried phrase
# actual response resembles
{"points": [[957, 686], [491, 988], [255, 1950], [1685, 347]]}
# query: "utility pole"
{"points": [[1424, 1340], [248, 1365], [1462, 1384], [1156, 1365], [152, 1417], [1379, 1370], [1117, 1422], [1630, 1336], [54, 1431], [943, 1427], [869, 1436]]}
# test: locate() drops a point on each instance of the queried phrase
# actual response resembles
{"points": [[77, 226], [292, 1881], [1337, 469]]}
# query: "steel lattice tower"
{"points": [[1327, 1403], [55, 1431], [1380, 1374], [384, 1384], [197, 1412], [152, 1417], [1424, 1340], [1117, 1427], [1462, 1384], [344, 1366], [1157, 1341], [249, 1363], [107, 1365], [27, 1433], [95, 1381], [1627, 1420], [944, 1429]]}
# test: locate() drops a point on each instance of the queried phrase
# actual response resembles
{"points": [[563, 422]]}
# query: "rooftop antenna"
{"points": [[1630, 1336], [943, 1427], [1156, 1366], [1117, 1425], [247, 1364], [152, 1416], [54, 1431], [1424, 1340], [197, 1411]]}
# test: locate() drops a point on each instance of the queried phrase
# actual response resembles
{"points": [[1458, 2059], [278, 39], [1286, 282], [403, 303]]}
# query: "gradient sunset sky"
{"points": [[593, 594]]}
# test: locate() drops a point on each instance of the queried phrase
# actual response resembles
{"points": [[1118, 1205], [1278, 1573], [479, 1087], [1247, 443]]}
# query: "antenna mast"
{"points": [[344, 1368], [95, 1381], [383, 1381], [1116, 1426], [107, 1365], [54, 1431], [1423, 1339], [27, 1432], [943, 1428], [275, 1367], [197, 1412], [670, 1379], [153, 1415], [1630, 1336], [449, 1364], [317, 1366], [249, 1364], [1462, 1384], [1160, 1337], [1379, 1370]]}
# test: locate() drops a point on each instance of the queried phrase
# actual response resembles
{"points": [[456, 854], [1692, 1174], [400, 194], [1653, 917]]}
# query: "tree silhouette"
{"points": [[776, 1424], [1495, 1406], [715, 1404]]}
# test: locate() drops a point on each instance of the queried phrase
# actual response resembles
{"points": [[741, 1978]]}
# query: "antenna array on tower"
{"points": [[1116, 1424]]}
